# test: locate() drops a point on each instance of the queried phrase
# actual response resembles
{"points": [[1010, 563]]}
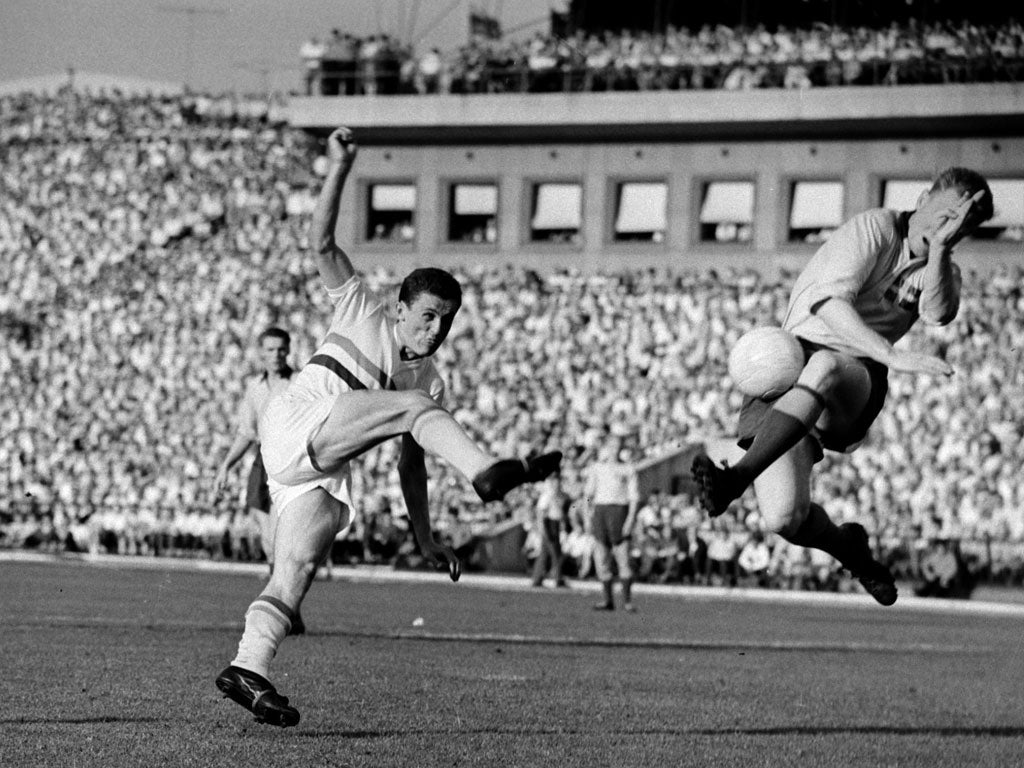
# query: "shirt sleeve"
{"points": [[843, 264], [353, 301], [940, 306], [246, 417]]}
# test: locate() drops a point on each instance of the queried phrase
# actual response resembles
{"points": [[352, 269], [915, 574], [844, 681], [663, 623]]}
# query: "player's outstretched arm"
{"points": [[843, 319], [333, 263], [412, 475]]}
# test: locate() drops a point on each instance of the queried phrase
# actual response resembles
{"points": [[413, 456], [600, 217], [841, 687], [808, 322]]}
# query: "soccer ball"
{"points": [[766, 362]]}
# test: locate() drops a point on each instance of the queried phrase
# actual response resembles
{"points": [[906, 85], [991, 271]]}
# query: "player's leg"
{"points": [[554, 534], [602, 553], [360, 420], [305, 531], [788, 422], [603, 571], [784, 499], [268, 528], [625, 570]]}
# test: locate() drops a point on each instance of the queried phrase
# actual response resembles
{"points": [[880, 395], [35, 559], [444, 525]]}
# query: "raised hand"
{"points": [[951, 224], [342, 147]]}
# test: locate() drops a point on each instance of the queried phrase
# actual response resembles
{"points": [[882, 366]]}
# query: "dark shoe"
{"points": [[716, 490], [604, 607], [501, 477], [256, 694], [873, 576], [298, 626]]}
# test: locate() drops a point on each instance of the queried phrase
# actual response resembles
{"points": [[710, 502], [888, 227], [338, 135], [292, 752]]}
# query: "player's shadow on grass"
{"points": [[77, 720], [992, 731]]}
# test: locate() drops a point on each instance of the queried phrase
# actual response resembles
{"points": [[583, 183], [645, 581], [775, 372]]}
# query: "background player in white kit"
{"points": [[274, 347], [370, 380], [858, 295]]}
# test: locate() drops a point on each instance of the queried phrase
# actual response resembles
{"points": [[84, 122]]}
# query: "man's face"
{"points": [[932, 212], [274, 354], [424, 324]]}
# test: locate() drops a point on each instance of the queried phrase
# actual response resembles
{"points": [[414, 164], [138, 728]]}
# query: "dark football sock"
{"points": [[819, 532], [786, 424], [607, 588]]}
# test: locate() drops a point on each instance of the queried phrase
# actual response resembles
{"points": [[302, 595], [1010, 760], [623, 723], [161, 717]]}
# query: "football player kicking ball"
{"points": [[860, 293], [370, 380]]}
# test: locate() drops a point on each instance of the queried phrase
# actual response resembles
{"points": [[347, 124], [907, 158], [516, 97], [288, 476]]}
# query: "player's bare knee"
{"points": [[785, 519], [822, 371]]}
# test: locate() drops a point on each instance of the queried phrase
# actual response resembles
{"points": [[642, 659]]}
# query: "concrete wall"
{"points": [[861, 165], [858, 135], [976, 109]]}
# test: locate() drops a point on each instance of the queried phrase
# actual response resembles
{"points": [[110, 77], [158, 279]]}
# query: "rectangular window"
{"points": [[816, 209], [727, 212], [640, 211], [902, 195], [473, 213], [391, 213], [1007, 222], [557, 212]]}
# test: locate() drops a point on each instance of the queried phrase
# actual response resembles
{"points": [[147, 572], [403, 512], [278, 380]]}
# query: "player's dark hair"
{"points": [[966, 180], [430, 280], [275, 333]]}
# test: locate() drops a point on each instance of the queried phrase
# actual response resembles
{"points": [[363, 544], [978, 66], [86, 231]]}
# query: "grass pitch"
{"points": [[114, 667]]}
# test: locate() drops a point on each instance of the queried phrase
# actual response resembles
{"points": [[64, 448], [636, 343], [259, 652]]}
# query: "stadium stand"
{"points": [[143, 239], [718, 56]]}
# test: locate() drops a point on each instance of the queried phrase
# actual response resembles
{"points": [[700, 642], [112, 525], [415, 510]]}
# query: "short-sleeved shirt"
{"points": [[612, 484], [362, 351], [868, 262], [258, 391]]}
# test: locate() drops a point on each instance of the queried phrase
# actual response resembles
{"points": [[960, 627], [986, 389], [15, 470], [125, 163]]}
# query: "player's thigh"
{"points": [[847, 397], [306, 527], [783, 490], [361, 420]]}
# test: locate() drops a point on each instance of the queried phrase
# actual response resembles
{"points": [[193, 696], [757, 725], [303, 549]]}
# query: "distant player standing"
{"points": [[370, 380], [274, 346], [859, 294], [611, 493]]}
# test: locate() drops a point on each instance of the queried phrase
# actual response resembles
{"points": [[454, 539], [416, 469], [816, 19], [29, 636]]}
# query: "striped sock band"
{"points": [[267, 622]]}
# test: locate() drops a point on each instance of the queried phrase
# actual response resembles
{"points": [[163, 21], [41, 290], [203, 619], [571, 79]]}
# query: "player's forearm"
{"points": [[940, 292], [413, 481], [844, 321], [237, 450], [325, 214]]}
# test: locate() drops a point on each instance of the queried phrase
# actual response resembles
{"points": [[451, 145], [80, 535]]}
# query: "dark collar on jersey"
{"points": [[285, 374]]}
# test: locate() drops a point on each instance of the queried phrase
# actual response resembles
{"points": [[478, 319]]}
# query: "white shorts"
{"points": [[286, 428]]}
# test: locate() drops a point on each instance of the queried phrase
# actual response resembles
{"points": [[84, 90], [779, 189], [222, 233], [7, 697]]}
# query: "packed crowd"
{"points": [[711, 57], [145, 242]]}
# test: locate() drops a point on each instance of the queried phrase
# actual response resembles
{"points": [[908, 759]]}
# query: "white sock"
{"points": [[440, 434], [267, 623]]}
